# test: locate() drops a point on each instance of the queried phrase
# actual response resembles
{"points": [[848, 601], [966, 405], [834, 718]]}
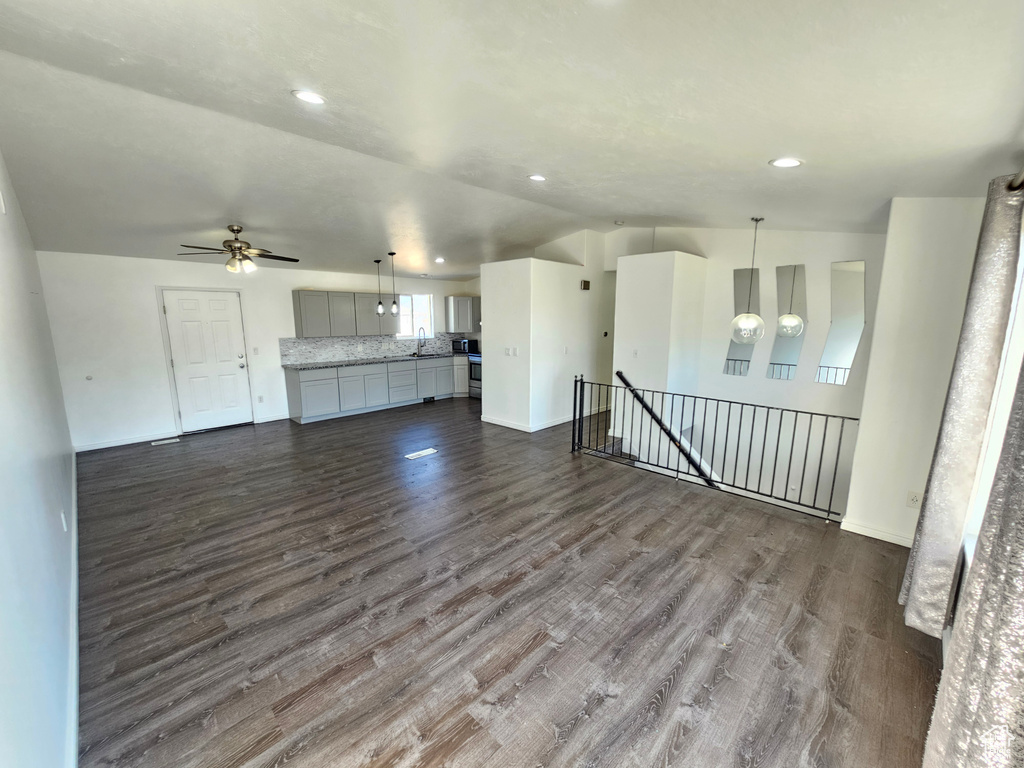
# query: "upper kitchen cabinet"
{"points": [[474, 314], [460, 314], [343, 313], [390, 324], [324, 313], [367, 319], [312, 314]]}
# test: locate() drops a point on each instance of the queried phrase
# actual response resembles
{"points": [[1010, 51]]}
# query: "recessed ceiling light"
{"points": [[309, 97], [424, 275], [439, 260], [537, 177], [785, 162], [619, 223]]}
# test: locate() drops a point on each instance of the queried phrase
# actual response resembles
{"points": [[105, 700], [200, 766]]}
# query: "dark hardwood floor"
{"points": [[304, 596]]}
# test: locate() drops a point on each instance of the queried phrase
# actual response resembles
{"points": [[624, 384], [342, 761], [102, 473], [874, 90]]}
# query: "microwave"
{"points": [[466, 346]]}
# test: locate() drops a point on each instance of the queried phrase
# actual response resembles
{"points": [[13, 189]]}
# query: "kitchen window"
{"points": [[415, 312]]}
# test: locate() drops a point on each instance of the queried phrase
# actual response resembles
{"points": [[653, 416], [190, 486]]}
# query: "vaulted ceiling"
{"points": [[130, 127]]}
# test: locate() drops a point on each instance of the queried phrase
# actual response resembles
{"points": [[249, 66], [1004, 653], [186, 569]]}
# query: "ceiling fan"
{"points": [[241, 252]]}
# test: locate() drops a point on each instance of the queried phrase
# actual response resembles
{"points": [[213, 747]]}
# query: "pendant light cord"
{"points": [[792, 291], [750, 283], [394, 290]]}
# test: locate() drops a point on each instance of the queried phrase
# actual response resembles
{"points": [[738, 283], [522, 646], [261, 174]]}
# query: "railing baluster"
{"points": [[599, 404]]}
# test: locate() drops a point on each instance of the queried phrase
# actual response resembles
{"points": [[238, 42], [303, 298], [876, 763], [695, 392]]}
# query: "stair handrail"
{"points": [[696, 465]]}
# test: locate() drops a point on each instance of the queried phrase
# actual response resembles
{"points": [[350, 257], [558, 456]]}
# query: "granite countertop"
{"points": [[352, 362]]}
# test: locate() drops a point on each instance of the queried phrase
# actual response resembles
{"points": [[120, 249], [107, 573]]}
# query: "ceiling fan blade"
{"points": [[203, 248], [276, 258], [203, 253], [256, 251]]}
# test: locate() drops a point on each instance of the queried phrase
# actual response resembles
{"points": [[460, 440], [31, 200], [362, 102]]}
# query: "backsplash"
{"points": [[326, 350]]}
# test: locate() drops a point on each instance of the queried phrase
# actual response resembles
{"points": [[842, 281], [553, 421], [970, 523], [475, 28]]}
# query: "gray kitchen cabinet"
{"points": [[319, 397], [426, 382], [461, 379], [389, 324], [445, 381], [474, 314], [367, 319], [353, 394], [342, 308], [312, 314], [376, 386], [459, 310]]}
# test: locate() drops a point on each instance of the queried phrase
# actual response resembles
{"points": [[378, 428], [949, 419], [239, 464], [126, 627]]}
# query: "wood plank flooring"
{"points": [[304, 596]]}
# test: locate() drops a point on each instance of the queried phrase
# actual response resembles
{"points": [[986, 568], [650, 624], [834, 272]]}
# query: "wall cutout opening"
{"points": [[746, 287], [791, 284], [847, 323]]}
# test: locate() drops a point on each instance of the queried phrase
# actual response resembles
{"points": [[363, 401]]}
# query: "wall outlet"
{"points": [[508, 351], [515, 351], [259, 398], [256, 350], [914, 499]]}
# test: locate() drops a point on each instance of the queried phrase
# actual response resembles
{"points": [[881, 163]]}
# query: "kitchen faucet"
{"points": [[421, 339]]}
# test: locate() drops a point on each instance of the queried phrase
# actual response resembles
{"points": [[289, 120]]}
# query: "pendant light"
{"points": [[394, 291], [791, 325], [380, 304], [748, 327]]}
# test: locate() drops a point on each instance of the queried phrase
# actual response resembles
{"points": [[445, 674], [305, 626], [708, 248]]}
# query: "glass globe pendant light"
{"points": [[380, 304], [394, 291], [790, 325], [748, 327]]}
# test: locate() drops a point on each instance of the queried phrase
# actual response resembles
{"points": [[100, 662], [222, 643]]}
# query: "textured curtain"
{"points": [[928, 584], [979, 712]]}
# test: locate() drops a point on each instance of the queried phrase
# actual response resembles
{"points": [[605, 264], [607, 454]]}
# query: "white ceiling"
{"points": [[132, 126]]}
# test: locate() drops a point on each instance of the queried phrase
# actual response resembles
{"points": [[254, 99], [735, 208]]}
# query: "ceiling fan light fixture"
{"points": [[248, 265], [785, 162], [232, 264], [439, 260], [309, 97]]}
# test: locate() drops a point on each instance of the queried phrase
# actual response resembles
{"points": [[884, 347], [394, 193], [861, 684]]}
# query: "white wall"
{"points": [[929, 256], [105, 316], [505, 309], [729, 249], [38, 564], [538, 307]]}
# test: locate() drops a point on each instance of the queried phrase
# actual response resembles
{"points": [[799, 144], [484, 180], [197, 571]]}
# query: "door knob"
{"points": [[240, 355], [241, 365]]}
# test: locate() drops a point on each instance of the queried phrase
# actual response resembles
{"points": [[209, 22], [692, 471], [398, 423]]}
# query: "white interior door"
{"points": [[208, 358]]}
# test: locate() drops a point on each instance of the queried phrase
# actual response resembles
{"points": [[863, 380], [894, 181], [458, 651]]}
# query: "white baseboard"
{"points": [[877, 533], [81, 448], [552, 423], [265, 419], [71, 744], [509, 424]]}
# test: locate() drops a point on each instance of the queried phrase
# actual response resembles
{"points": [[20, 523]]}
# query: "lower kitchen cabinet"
{"points": [[426, 382], [327, 393], [353, 391], [445, 381], [461, 379], [319, 397], [376, 389]]}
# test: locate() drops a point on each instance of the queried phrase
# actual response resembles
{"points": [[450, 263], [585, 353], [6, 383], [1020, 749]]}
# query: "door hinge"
{"points": [[172, 362], [165, 309]]}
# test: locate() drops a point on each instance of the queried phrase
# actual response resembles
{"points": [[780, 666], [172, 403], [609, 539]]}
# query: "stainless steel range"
{"points": [[475, 375]]}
